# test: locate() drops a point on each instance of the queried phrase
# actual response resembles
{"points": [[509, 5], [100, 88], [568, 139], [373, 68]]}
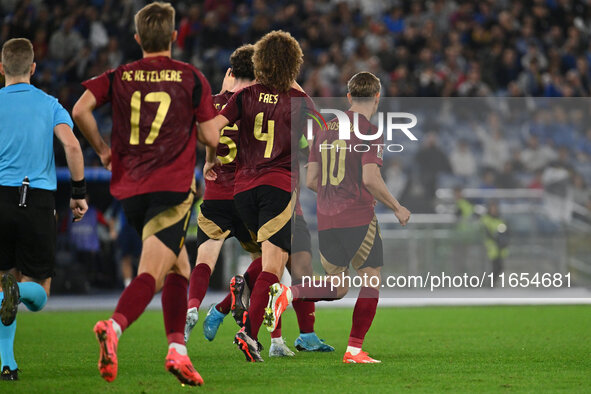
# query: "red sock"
{"points": [[363, 314], [134, 299], [258, 302], [198, 285], [174, 307], [313, 293], [305, 312], [277, 332], [252, 272], [224, 305]]}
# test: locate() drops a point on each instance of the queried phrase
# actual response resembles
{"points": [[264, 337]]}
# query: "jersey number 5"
{"points": [[136, 102], [268, 137], [232, 148], [338, 148]]}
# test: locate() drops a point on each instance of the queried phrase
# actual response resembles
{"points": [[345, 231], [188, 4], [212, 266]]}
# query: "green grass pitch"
{"points": [[454, 349]]}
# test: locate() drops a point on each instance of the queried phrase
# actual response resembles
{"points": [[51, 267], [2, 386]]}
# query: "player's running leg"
{"points": [[155, 261], [207, 256], [174, 309], [278, 346], [280, 296], [34, 296], [237, 292], [363, 314], [273, 262], [10, 299], [301, 265]]}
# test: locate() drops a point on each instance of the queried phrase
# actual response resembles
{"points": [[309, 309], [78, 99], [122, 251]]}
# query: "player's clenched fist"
{"points": [[403, 215]]}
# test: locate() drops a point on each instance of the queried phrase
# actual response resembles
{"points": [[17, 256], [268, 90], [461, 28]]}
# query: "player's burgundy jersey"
{"points": [[265, 137], [343, 200], [223, 187], [155, 103]]}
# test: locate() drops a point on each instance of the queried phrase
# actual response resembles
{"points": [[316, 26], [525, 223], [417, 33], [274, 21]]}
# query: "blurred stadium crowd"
{"points": [[466, 48]]}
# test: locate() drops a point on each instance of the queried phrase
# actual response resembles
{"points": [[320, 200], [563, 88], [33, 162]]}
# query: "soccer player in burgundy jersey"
{"points": [[237, 300], [218, 218], [347, 182], [156, 102], [263, 187]]}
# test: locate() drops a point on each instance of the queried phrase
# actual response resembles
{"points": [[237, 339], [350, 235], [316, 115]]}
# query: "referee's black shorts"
{"points": [[28, 235]]}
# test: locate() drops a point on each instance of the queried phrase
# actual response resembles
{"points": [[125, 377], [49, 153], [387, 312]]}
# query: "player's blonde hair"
{"points": [[363, 85], [17, 57], [155, 24], [277, 60]]}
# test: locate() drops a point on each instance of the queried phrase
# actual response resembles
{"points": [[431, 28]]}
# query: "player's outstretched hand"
{"points": [[403, 215], [228, 82], [209, 169], [79, 208], [106, 159]]}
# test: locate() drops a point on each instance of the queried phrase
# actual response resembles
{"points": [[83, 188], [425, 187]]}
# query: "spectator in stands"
{"points": [[65, 43], [396, 178], [506, 178], [580, 192], [462, 160], [495, 149], [431, 161], [536, 157]]}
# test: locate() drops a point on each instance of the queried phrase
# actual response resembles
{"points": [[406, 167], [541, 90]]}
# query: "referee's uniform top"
{"points": [[28, 232], [27, 118]]}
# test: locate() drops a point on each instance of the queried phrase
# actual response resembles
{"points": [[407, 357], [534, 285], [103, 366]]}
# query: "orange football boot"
{"points": [[181, 367], [107, 339], [361, 358]]}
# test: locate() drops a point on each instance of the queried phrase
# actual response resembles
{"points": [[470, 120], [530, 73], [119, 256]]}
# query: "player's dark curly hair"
{"points": [[241, 62], [277, 60]]}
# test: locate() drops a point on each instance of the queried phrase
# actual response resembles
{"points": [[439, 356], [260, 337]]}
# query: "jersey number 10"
{"points": [[338, 148], [136, 102]]}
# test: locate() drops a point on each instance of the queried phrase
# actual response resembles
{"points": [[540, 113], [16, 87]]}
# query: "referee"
{"points": [[28, 120]]}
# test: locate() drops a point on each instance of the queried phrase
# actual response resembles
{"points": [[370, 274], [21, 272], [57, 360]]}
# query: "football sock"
{"points": [[363, 314], [33, 295], [258, 302], [7, 343], [117, 328], [313, 293], [252, 272], [198, 284], [225, 305], [353, 350], [277, 332], [180, 348], [305, 313], [134, 299], [174, 308]]}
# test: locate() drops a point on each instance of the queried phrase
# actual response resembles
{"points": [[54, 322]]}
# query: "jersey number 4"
{"points": [[267, 137], [136, 102]]}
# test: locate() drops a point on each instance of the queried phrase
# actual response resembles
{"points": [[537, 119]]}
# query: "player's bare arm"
{"points": [[75, 161], [373, 181], [312, 176], [82, 114]]}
